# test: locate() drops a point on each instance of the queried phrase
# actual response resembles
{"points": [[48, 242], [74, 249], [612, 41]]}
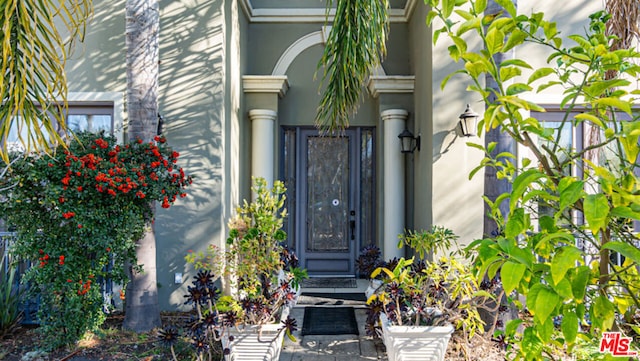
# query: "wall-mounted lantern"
{"points": [[408, 143], [467, 123]]}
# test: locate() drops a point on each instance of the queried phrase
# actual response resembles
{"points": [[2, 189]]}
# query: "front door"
{"points": [[329, 179]]}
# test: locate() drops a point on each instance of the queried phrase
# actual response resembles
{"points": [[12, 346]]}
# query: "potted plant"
{"points": [[421, 303], [264, 282]]}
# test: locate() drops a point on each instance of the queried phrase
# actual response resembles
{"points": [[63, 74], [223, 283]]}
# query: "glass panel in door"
{"points": [[329, 220]]}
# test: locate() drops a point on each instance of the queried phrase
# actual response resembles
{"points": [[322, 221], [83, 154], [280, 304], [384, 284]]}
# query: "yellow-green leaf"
{"points": [[511, 275], [546, 302], [564, 260], [494, 41], [596, 210], [569, 326]]}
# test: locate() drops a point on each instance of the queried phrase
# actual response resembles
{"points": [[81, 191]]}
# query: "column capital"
{"points": [[391, 114], [391, 84], [265, 84], [267, 114]]}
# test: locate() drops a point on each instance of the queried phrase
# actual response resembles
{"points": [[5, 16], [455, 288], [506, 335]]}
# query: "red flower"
{"points": [[102, 143], [68, 215], [61, 261], [50, 164], [108, 249], [46, 257], [165, 203], [61, 199], [139, 194], [66, 180], [111, 192], [79, 188], [79, 226], [69, 280]]}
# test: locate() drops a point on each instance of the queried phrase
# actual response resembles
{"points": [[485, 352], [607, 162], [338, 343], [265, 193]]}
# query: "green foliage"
{"points": [[78, 215], [425, 243], [256, 236], [428, 293], [581, 288], [9, 301], [255, 259], [263, 273]]}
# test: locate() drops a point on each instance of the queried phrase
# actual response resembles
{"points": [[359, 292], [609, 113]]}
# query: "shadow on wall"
{"points": [[443, 141], [191, 101]]}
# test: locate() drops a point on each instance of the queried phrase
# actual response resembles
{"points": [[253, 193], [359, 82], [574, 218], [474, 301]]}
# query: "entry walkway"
{"points": [[333, 347]]}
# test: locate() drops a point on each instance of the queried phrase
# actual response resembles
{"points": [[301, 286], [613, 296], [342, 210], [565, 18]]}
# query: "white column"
{"points": [[394, 121], [263, 143]]}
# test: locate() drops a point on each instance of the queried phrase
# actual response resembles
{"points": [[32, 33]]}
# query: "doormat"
{"points": [[329, 283], [334, 299], [329, 321]]}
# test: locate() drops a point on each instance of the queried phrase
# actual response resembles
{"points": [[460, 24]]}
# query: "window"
{"points": [[86, 112], [577, 138]]}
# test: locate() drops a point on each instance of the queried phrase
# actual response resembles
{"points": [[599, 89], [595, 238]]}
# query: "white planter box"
{"points": [[423, 343], [247, 347]]}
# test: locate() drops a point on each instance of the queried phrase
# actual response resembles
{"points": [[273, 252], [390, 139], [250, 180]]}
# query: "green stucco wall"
{"points": [[199, 40]]}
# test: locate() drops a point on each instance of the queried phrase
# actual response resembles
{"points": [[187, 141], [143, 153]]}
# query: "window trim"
{"points": [[89, 99]]}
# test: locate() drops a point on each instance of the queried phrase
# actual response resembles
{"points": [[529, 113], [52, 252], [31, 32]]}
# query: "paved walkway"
{"points": [[333, 347]]}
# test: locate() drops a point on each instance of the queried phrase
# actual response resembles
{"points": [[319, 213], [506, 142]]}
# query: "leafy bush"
{"points": [[264, 272], [78, 214], [560, 259], [428, 293]]}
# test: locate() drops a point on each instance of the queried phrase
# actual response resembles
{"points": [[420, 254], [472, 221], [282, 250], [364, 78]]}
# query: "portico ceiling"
{"points": [[307, 11]]}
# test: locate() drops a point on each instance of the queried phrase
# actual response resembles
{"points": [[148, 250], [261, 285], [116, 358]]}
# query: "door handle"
{"points": [[352, 224]]}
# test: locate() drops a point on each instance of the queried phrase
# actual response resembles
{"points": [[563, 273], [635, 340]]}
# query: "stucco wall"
{"points": [[198, 41]]}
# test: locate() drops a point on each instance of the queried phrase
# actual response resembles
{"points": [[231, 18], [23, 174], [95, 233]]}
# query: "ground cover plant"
{"points": [[567, 253], [109, 342]]}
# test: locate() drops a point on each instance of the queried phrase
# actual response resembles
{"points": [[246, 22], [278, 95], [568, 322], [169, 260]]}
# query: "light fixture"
{"points": [[467, 123], [408, 143]]}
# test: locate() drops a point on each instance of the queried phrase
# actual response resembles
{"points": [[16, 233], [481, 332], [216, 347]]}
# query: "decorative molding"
{"points": [[265, 84], [296, 49], [302, 44], [312, 15], [385, 84]]}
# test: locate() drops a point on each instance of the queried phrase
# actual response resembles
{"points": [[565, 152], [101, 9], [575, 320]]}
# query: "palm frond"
{"points": [[356, 45], [37, 38]]}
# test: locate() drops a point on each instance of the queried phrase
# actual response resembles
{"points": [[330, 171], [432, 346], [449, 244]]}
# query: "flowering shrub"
{"points": [[79, 213]]}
